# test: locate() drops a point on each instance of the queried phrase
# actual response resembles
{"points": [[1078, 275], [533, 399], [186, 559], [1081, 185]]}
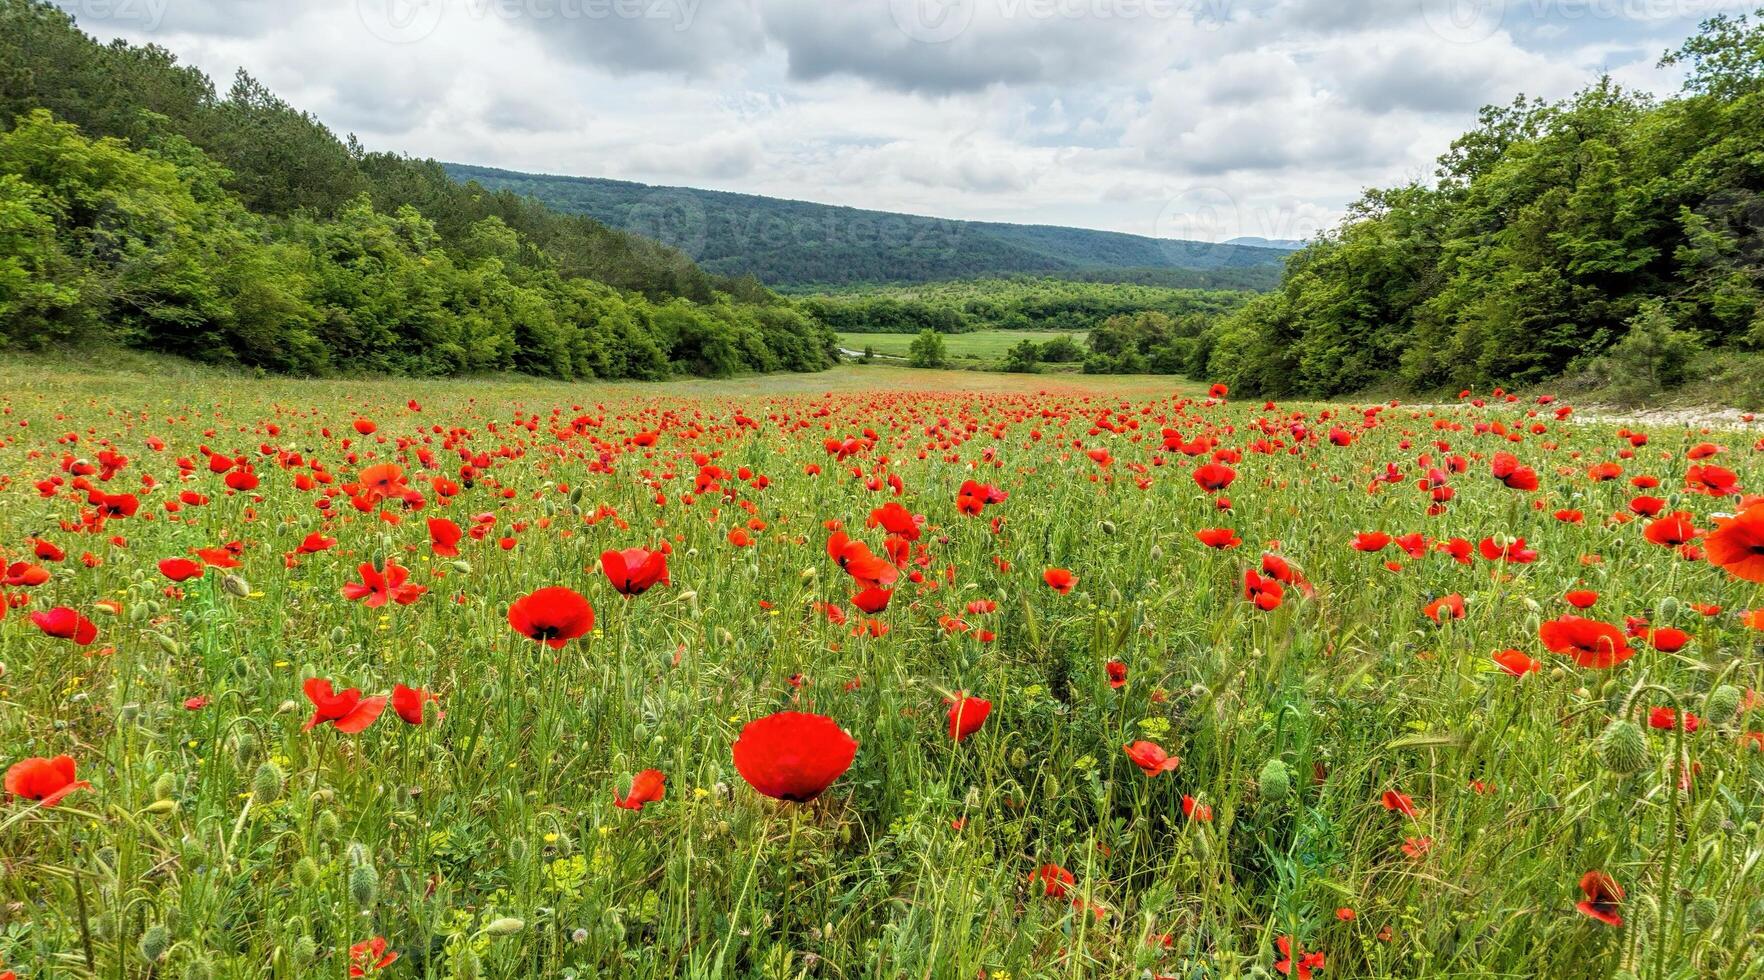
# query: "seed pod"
{"points": [[199, 969], [154, 942], [359, 853], [1274, 782], [1108, 527], [1019, 758], [266, 784], [165, 786], [161, 807], [1722, 704], [506, 926], [327, 825], [1666, 609], [1704, 910], [364, 886], [305, 950], [236, 584], [1622, 747]]}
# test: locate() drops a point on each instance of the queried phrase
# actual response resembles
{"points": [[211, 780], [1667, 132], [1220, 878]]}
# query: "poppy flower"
{"points": [[66, 624], [872, 601], [1117, 673], [1193, 809], [1398, 803], [1737, 544], [1445, 607], [380, 586], [1668, 639], [23, 574], [1150, 757], [45, 781], [1266, 593], [1590, 642], [1513, 552], [1581, 598], [634, 571], [1665, 719], [408, 703], [793, 755], [966, 715], [314, 543], [1054, 880], [444, 537], [1371, 541], [1218, 537], [1603, 898], [1296, 963], [1060, 580], [1214, 477], [1516, 663], [1672, 530], [553, 616], [369, 956], [648, 786], [181, 569], [347, 711]]}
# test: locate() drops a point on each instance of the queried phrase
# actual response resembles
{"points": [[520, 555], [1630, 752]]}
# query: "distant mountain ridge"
{"points": [[1254, 241], [803, 245]]}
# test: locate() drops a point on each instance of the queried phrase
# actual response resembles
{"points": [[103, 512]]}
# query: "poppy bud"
{"points": [[1622, 748], [338, 636], [199, 969], [168, 644], [1019, 758], [236, 584], [244, 743], [306, 873], [364, 886], [161, 807], [154, 942], [466, 965], [1108, 527], [128, 714], [164, 786], [504, 927], [461, 566], [1157, 552], [305, 950], [1666, 609], [138, 613], [1722, 704], [1274, 782], [327, 825], [266, 783], [1704, 910]]}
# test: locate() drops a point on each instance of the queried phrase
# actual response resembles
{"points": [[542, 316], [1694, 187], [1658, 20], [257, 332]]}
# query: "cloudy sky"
{"points": [[1180, 118]]}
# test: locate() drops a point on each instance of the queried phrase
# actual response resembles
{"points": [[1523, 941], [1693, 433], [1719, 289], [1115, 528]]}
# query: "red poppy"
{"points": [[1060, 580], [1398, 803], [369, 956], [1196, 810], [347, 711], [1296, 963], [1513, 552], [1214, 477], [1266, 593], [634, 571], [315, 543], [1218, 537], [1117, 673], [1581, 598], [1672, 530], [444, 537], [379, 587], [1371, 541], [408, 703], [181, 569], [1506, 468], [66, 624], [1516, 663], [46, 781], [872, 601], [1054, 880], [1590, 642], [1668, 639], [1666, 719], [860, 563], [553, 616], [1445, 607], [23, 574], [1151, 758], [966, 715], [1737, 544], [1603, 898], [648, 786], [793, 755]]}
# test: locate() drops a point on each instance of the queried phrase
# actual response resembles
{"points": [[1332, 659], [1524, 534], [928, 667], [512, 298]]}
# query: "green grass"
{"points": [[984, 346], [230, 842]]}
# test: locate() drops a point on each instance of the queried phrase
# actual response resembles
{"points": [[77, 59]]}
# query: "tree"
{"points": [[1021, 358], [927, 350]]}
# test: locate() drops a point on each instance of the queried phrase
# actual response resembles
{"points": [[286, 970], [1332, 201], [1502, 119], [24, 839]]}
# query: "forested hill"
{"points": [[800, 245], [140, 206], [1610, 233]]}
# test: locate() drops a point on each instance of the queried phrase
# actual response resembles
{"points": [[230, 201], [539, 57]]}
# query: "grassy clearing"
{"points": [[984, 346], [1357, 773]]}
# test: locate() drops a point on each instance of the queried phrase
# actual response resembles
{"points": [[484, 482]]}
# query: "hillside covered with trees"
{"points": [[1610, 233], [799, 245], [140, 206]]}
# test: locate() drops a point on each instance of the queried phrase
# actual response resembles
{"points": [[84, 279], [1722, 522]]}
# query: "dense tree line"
{"points": [[138, 205], [1609, 231], [800, 245], [1020, 303]]}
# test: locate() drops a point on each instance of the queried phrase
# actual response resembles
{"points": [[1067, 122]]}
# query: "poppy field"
{"points": [[435, 679]]}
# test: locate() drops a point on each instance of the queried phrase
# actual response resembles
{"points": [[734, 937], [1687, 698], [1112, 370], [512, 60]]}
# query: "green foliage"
{"points": [[801, 245], [1021, 359], [138, 206], [927, 350], [1652, 356], [1060, 350], [1552, 232]]}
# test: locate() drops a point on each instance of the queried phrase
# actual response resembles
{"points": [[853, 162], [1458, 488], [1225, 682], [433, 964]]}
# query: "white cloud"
{"points": [[1223, 117]]}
